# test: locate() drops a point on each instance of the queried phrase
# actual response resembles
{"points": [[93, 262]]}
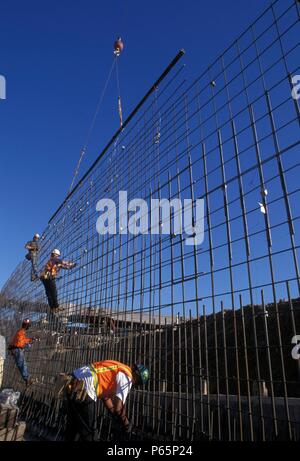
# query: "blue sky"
{"points": [[55, 57]]}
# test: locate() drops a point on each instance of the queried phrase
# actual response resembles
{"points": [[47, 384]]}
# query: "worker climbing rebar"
{"points": [[107, 380], [18, 346], [48, 278], [33, 248]]}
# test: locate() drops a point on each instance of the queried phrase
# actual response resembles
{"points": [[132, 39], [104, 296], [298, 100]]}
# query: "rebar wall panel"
{"points": [[213, 322]]}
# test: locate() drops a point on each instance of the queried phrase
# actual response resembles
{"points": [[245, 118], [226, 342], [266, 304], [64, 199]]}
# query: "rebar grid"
{"points": [[213, 322]]}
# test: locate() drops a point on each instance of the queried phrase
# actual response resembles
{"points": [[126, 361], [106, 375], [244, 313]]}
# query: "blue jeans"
{"points": [[19, 357]]}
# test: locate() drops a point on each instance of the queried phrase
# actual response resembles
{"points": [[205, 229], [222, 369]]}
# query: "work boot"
{"points": [[28, 382]]}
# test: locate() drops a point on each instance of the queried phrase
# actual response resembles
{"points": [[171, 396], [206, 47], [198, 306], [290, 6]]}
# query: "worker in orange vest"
{"points": [[48, 278], [109, 381], [18, 346]]}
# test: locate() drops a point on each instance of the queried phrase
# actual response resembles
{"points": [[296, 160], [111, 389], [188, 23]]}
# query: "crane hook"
{"points": [[118, 47]]}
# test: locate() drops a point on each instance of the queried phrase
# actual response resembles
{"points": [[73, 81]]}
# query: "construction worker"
{"points": [[109, 381], [32, 255], [49, 275], [18, 346]]}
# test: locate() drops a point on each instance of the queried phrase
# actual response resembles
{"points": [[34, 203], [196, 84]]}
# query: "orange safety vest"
{"points": [[51, 269], [105, 373]]}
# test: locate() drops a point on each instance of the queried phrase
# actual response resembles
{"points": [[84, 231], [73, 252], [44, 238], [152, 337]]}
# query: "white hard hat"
{"points": [[37, 236], [56, 252]]}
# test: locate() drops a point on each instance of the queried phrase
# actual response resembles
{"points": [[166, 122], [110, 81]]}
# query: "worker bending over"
{"points": [[109, 381], [48, 278]]}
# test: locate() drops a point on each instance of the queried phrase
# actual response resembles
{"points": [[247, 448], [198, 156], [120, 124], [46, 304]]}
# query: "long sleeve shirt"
{"points": [[20, 339], [53, 267]]}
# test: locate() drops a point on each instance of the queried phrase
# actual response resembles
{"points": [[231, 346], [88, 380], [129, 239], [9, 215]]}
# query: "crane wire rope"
{"points": [[91, 128]]}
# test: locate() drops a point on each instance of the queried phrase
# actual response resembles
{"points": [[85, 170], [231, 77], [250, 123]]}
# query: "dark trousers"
{"points": [[51, 292], [81, 420]]}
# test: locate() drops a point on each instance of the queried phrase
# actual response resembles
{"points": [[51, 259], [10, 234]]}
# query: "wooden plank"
{"points": [[8, 416], [15, 434]]}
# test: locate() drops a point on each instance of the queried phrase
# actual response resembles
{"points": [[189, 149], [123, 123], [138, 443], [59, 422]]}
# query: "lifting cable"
{"points": [[119, 94], [84, 149], [118, 48]]}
